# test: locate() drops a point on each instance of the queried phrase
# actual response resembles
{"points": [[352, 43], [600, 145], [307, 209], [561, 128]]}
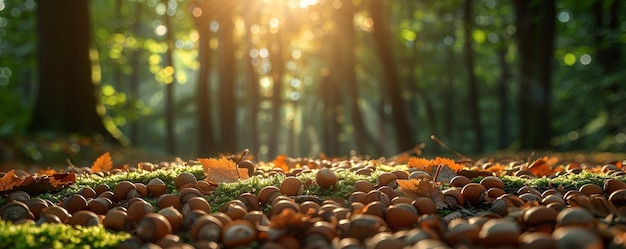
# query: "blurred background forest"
{"points": [[301, 77]]}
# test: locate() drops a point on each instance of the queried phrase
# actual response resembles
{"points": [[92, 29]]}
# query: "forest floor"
{"points": [[500, 199]]}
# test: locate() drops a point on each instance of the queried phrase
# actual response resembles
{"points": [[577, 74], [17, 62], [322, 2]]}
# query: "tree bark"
{"points": [[404, 134], [66, 100], [535, 21], [473, 98], [227, 70], [169, 87]]}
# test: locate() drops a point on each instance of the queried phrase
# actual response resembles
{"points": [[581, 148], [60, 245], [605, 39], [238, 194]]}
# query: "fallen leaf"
{"points": [[281, 162], [103, 163], [428, 164], [222, 170], [540, 167], [10, 181], [414, 188]]}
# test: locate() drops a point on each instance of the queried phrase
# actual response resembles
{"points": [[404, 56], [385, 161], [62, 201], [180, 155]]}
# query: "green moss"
{"points": [[167, 175], [57, 236]]}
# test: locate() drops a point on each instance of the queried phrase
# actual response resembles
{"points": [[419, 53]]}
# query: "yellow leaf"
{"points": [[222, 170], [103, 163]]}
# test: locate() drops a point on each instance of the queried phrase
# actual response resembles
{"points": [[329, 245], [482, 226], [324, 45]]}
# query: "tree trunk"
{"points": [[227, 101], [252, 79], [404, 134], [345, 34], [205, 128], [535, 21], [66, 100], [169, 86], [473, 98], [133, 90], [505, 75]]}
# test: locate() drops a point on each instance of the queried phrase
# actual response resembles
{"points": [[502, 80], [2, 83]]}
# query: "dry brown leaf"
{"points": [[10, 180], [103, 163], [414, 188], [540, 167], [222, 170]]}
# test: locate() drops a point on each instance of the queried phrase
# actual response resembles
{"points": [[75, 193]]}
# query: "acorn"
{"points": [[156, 187], [101, 188], [167, 200], [185, 180], [99, 205], [15, 210], [363, 186], [173, 216], [425, 205], [326, 178], [539, 218], [250, 200], [186, 193], [138, 209], [88, 192], [459, 181], [75, 203], [267, 194], [362, 226], [142, 189], [19, 195], [401, 216], [473, 193], [207, 227], [387, 179], [291, 186], [196, 203], [248, 165], [121, 190], [153, 227], [492, 182], [58, 211], [36, 205], [499, 232], [238, 233], [590, 189], [461, 232], [117, 220], [84, 218]]}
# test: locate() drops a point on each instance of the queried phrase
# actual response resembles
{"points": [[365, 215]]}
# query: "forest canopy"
{"points": [[303, 77]]}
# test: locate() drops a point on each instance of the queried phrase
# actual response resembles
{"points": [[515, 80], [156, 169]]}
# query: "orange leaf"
{"points": [[414, 188], [540, 167], [281, 162], [103, 163], [9, 181], [222, 170], [58, 181]]}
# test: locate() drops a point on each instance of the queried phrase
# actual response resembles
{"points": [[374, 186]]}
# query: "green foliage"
{"points": [[57, 236]]}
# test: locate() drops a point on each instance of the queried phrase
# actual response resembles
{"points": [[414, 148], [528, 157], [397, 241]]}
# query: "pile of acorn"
{"points": [[374, 215]]}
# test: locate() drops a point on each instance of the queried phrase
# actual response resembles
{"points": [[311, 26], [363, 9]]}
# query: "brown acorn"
{"points": [[153, 227]]}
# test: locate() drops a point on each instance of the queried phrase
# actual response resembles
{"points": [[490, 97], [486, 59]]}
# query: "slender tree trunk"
{"points": [[227, 101], [505, 75], [346, 39], [252, 82], [169, 87], [205, 128], [133, 88], [278, 71], [609, 56], [535, 36], [473, 98], [404, 133], [66, 100]]}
